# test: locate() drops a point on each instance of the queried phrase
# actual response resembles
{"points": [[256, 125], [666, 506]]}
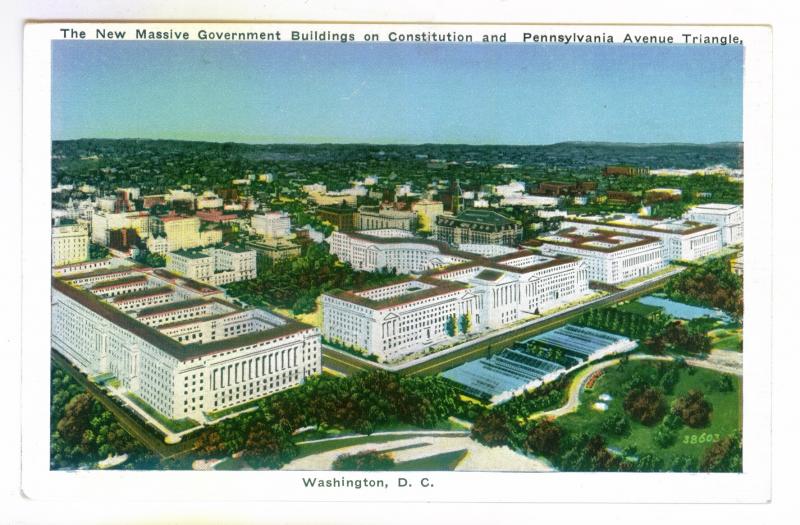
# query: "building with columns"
{"points": [[481, 293], [69, 244], [391, 249], [216, 266], [610, 257], [176, 343], [477, 227], [729, 218], [680, 239]]}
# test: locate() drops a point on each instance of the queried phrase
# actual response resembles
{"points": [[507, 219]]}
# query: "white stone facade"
{"points": [[389, 249], [404, 318], [216, 266], [187, 356], [729, 217], [272, 224], [610, 257], [680, 239], [70, 244]]}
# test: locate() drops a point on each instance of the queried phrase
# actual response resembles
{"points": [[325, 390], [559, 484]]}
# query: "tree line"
{"points": [[362, 403], [296, 283]]}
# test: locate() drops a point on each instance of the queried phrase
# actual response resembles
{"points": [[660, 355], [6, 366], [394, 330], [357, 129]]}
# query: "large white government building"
{"points": [[69, 244], [680, 239], [176, 343], [216, 266], [729, 218], [405, 317], [391, 249], [610, 257]]}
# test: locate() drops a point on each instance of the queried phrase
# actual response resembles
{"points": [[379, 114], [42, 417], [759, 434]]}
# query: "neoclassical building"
{"points": [[610, 257], [477, 294], [477, 227], [680, 239], [176, 343]]}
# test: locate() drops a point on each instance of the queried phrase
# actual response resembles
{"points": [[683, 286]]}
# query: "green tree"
{"points": [[451, 326], [645, 405], [466, 323], [544, 438], [491, 429], [367, 460], [693, 409], [723, 456]]}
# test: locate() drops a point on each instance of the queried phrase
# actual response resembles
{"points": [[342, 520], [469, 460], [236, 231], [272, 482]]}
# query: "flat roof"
{"points": [[191, 254], [169, 307], [598, 235], [691, 227], [166, 343], [474, 216], [147, 292], [440, 287]]}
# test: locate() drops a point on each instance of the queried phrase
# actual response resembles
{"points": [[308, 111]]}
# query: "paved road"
{"points": [[349, 364], [500, 341], [128, 421]]}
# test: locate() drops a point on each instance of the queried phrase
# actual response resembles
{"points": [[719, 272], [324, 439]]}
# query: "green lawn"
{"points": [[725, 418], [439, 462], [731, 342], [174, 425], [230, 410], [638, 308]]}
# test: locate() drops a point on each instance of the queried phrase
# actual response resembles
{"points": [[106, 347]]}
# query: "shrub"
{"points": [[693, 409], [367, 460], [645, 405], [616, 425], [544, 437], [664, 436], [723, 456], [491, 429]]}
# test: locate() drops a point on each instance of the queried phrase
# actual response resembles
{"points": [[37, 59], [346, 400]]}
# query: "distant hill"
{"points": [[563, 154]]}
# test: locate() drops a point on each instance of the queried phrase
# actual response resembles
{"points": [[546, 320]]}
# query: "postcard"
{"points": [[397, 262]]}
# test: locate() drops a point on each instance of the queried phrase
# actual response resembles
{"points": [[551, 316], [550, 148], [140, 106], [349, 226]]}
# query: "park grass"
{"points": [[313, 318], [638, 308], [446, 461], [638, 280], [174, 425], [213, 416], [731, 342], [725, 417]]}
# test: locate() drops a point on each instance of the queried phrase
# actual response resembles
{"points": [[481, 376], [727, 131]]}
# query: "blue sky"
{"points": [[396, 93]]}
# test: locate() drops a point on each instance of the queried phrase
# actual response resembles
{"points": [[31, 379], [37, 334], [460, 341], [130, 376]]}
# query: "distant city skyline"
{"points": [[511, 94]]}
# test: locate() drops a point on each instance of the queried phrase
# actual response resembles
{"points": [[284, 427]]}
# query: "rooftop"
{"points": [[191, 254], [480, 217], [438, 287], [597, 240], [164, 342]]}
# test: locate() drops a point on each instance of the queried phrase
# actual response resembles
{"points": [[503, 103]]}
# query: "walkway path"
{"points": [[718, 360]]}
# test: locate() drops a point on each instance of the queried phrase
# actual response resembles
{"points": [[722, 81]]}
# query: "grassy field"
{"points": [[638, 308], [726, 339], [238, 408], [314, 318], [175, 425], [725, 417]]}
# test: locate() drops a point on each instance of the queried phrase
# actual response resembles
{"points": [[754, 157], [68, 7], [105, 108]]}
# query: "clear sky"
{"points": [[396, 93]]}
